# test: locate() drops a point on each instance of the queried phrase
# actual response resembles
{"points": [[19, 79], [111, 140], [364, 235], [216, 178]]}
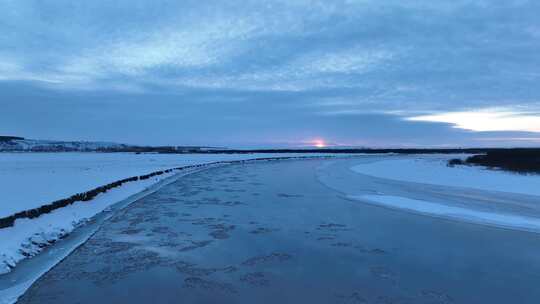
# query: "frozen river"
{"points": [[287, 232]]}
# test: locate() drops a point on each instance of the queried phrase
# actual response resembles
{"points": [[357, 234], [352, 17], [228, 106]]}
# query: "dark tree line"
{"points": [[515, 160], [10, 138]]}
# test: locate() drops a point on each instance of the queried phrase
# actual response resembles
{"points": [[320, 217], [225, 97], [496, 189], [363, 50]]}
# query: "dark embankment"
{"points": [[10, 138], [515, 160]]}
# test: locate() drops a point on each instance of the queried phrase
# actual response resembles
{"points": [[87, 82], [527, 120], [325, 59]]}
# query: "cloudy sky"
{"points": [[272, 73]]}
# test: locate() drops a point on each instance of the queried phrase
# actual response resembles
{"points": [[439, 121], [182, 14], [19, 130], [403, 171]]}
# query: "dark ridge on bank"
{"points": [[9, 221], [523, 161], [10, 138]]}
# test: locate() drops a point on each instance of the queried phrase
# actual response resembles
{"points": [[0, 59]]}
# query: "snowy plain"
{"points": [[434, 170], [474, 194], [30, 180]]}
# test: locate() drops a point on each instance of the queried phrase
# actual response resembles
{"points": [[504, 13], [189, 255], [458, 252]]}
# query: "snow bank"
{"points": [[433, 170], [454, 213], [28, 237]]}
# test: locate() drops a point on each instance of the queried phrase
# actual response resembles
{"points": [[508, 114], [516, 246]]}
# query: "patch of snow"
{"points": [[509, 221], [12, 294], [433, 170]]}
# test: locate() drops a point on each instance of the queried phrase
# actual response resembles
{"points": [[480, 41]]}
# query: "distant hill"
{"points": [[20, 144], [15, 144]]}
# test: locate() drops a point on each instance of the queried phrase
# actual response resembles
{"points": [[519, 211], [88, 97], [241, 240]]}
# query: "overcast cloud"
{"points": [[255, 73]]}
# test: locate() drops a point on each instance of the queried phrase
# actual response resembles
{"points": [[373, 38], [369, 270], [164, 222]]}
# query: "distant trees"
{"points": [[515, 160], [10, 138]]}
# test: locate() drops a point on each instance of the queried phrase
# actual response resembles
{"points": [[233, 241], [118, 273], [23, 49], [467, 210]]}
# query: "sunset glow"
{"points": [[319, 143]]}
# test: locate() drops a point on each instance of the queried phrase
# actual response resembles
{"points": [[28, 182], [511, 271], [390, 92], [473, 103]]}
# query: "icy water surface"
{"points": [[272, 233]]}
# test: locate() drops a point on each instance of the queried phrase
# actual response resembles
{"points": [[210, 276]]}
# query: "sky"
{"points": [[368, 73]]}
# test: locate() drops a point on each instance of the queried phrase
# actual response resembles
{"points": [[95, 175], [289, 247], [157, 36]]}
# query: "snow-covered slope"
{"points": [[34, 145], [28, 237]]}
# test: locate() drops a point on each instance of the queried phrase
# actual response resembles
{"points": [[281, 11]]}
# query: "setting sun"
{"points": [[319, 143]]}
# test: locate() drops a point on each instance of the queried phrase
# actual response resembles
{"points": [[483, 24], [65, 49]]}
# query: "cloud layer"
{"points": [[443, 63]]}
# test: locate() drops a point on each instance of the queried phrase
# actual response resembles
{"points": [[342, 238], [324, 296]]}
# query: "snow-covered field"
{"points": [[433, 170], [30, 180], [426, 185]]}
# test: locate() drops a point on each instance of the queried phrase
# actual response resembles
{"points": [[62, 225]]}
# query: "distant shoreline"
{"points": [[161, 150]]}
